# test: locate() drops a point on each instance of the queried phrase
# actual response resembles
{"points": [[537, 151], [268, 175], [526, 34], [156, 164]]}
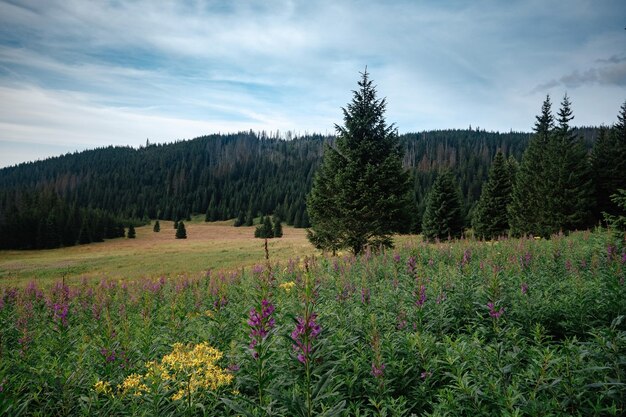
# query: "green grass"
{"points": [[215, 246]]}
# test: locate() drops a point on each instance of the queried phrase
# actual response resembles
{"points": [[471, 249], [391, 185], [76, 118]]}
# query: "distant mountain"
{"points": [[222, 175]]}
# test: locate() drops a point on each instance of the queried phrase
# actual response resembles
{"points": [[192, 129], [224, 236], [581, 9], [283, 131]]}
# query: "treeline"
{"points": [[226, 176], [41, 220], [557, 186]]}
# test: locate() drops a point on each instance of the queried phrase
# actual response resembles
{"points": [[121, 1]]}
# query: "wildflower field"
{"points": [[512, 328]]}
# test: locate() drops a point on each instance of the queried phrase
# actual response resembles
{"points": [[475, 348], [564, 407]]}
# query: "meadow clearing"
{"points": [[520, 327], [217, 245]]}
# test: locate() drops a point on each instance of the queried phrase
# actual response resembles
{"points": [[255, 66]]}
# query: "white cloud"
{"points": [[119, 71]]}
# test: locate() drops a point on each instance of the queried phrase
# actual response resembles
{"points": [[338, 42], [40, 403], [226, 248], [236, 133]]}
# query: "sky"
{"points": [[79, 74]]}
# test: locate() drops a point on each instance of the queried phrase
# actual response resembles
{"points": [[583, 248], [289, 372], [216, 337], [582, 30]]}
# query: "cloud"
{"points": [[202, 66], [614, 75]]}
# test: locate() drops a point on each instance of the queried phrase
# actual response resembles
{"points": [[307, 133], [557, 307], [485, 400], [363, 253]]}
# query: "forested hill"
{"points": [[224, 174]]}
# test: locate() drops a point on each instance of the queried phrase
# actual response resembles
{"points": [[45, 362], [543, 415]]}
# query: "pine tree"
{"points": [[360, 195], [527, 208], [157, 227], [278, 228], [249, 219], [181, 233], [608, 160], [490, 217], [443, 217], [240, 220], [569, 201], [131, 232]]}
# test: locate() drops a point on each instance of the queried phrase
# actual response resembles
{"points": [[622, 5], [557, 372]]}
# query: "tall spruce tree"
{"points": [[608, 160], [490, 218], [570, 201], [360, 195], [527, 208], [443, 217]]}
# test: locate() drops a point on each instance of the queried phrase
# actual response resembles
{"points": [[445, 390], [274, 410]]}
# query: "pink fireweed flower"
{"points": [[421, 296], [426, 374], [378, 370], [365, 295], [493, 312], [260, 322], [303, 335], [396, 257], [467, 257], [524, 288], [411, 265]]}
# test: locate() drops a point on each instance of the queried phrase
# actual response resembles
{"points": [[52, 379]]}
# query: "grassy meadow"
{"points": [[519, 327], [218, 246]]}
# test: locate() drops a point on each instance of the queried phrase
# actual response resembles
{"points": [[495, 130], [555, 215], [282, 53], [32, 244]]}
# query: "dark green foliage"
{"points": [[240, 220], [618, 222], [249, 219], [531, 184], [175, 224], [569, 201], [608, 160], [181, 233], [553, 190], [265, 230], [157, 227], [131, 232], [490, 216], [361, 192], [278, 228], [42, 220], [443, 218]]}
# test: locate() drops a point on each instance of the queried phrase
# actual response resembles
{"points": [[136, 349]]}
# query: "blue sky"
{"points": [[78, 74]]}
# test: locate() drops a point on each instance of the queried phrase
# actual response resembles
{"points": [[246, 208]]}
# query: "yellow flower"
{"points": [[103, 387], [287, 286], [208, 313], [133, 384]]}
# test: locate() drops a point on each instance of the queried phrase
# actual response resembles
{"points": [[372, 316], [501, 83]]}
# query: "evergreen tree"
{"points": [[131, 232], [366, 199], [608, 160], [569, 201], [527, 208], [249, 218], [240, 220], [157, 227], [443, 217], [181, 233], [278, 228], [265, 230], [490, 217]]}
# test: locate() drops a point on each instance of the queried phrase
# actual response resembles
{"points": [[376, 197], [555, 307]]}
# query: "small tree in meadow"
{"points": [[131, 232], [181, 233], [157, 227]]}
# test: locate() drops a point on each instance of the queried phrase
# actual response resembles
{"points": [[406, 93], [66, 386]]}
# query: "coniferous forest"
{"points": [[91, 195]]}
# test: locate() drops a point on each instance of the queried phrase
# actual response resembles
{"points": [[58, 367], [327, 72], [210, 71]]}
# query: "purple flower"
{"points": [[421, 297], [365, 295], [467, 257], [260, 322], [524, 288], [378, 370], [526, 260], [60, 312], [426, 374], [493, 312], [396, 257], [624, 257], [411, 265], [303, 335]]}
